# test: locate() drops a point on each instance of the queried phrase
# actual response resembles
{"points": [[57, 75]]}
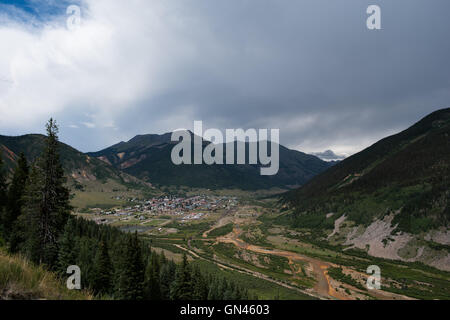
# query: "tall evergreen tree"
{"points": [[200, 290], [87, 248], [237, 294], [213, 293], [166, 278], [68, 247], [27, 228], [2, 183], [152, 285], [15, 195], [131, 281], [223, 289], [47, 207], [2, 197], [182, 288], [229, 291], [102, 281]]}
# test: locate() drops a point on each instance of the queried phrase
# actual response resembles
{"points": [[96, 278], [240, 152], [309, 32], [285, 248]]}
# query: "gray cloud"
{"points": [[310, 68]]}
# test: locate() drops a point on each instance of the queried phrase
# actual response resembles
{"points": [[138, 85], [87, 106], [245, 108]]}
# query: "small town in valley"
{"points": [[154, 213]]}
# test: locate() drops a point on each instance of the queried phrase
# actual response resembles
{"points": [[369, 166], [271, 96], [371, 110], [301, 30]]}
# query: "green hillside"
{"points": [[407, 173], [89, 178], [22, 280], [148, 158]]}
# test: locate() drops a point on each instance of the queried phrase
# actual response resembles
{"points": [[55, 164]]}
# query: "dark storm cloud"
{"points": [[282, 62], [310, 68]]}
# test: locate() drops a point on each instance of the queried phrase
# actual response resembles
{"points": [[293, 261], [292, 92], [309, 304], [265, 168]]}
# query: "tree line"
{"points": [[35, 221]]}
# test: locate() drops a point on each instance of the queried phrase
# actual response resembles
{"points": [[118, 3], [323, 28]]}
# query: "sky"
{"points": [[308, 67]]}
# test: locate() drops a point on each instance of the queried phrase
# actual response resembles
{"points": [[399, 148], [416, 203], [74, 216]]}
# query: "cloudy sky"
{"points": [[308, 67]]}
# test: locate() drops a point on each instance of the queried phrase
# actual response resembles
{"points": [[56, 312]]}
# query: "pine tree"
{"points": [[86, 255], [166, 278], [152, 285], [68, 247], [2, 197], [131, 275], [213, 293], [237, 295], [2, 184], [15, 195], [27, 228], [46, 206], [102, 275], [223, 289], [229, 293], [200, 286], [182, 287]]}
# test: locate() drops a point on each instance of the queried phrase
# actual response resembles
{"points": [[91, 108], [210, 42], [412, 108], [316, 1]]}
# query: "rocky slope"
{"points": [[391, 199]]}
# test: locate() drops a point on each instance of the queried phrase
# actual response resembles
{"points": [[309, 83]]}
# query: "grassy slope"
{"points": [[19, 279]]}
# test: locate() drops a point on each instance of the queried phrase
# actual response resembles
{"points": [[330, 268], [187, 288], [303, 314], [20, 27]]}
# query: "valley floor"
{"points": [[246, 242]]}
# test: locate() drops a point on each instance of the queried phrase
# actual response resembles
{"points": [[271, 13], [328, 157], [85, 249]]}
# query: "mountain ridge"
{"points": [[391, 200], [361, 162], [78, 166], [148, 158]]}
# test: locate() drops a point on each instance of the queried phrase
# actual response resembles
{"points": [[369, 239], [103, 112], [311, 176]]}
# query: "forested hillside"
{"points": [[148, 157], [78, 167], [408, 172], [36, 222]]}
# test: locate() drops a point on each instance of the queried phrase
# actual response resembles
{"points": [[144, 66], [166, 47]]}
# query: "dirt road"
{"points": [[224, 220], [322, 287], [249, 272]]}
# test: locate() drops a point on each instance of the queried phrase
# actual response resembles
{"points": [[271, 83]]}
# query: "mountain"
{"points": [[148, 157], [79, 167], [393, 196], [328, 155]]}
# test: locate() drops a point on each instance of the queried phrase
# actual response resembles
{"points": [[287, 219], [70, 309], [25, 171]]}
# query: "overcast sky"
{"points": [[308, 67]]}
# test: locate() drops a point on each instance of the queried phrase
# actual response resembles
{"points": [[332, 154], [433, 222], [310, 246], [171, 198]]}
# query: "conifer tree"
{"points": [[15, 195], [87, 247], [68, 247], [223, 289], [2, 184], [166, 278], [237, 295], [182, 287], [213, 292], [46, 206], [200, 286], [152, 285], [131, 275], [27, 228], [2, 197], [229, 293], [102, 281]]}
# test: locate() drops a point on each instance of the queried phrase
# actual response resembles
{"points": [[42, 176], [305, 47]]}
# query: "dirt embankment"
{"points": [[382, 241], [319, 268]]}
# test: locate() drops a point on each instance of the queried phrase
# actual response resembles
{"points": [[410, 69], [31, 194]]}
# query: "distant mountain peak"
{"points": [[329, 155]]}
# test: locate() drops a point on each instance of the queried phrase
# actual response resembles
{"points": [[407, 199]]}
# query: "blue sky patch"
{"points": [[35, 11]]}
